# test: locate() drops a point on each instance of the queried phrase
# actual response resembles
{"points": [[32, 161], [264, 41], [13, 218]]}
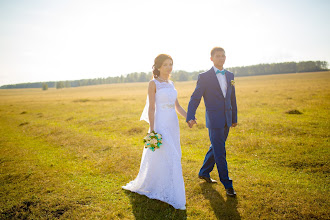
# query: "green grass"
{"points": [[66, 153]]}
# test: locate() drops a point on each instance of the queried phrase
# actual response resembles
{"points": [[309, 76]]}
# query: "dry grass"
{"points": [[66, 153]]}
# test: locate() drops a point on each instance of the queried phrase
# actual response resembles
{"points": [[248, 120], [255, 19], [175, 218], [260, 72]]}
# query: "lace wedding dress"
{"points": [[160, 176]]}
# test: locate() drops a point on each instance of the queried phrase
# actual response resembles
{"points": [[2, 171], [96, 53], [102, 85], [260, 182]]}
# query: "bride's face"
{"points": [[166, 67]]}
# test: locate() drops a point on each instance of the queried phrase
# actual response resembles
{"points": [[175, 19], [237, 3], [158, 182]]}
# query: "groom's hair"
{"points": [[216, 49]]}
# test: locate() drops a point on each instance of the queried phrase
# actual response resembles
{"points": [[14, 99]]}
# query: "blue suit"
{"points": [[220, 113]]}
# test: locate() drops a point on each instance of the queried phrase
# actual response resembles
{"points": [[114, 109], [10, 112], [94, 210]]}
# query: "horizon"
{"points": [[150, 72], [72, 40]]}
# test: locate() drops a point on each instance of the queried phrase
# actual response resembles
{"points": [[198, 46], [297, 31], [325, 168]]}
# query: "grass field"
{"points": [[66, 153]]}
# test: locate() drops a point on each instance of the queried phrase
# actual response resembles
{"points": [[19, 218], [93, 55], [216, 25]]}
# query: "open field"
{"points": [[66, 153]]}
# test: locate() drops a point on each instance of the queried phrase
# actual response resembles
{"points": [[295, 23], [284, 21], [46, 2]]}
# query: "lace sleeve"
{"points": [[145, 115]]}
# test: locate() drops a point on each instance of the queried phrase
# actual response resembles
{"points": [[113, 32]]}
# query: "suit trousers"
{"points": [[217, 155]]}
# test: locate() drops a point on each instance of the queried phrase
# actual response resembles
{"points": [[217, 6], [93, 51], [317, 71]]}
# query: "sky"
{"points": [[44, 40]]}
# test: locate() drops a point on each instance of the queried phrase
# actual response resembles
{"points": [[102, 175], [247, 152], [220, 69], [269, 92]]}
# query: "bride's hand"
{"points": [[191, 123]]}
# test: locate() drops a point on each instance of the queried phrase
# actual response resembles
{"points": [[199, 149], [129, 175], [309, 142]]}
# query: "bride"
{"points": [[160, 175]]}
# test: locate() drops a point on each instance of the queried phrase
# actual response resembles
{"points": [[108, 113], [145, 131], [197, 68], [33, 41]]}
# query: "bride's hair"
{"points": [[159, 60]]}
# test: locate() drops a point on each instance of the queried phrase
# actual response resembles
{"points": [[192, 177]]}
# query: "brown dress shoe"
{"points": [[230, 192], [207, 179]]}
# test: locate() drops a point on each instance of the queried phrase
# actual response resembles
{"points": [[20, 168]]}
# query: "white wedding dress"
{"points": [[160, 176]]}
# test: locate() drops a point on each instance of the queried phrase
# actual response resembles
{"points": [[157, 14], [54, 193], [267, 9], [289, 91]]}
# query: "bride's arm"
{"points": [[151, 111], [179, 109]]}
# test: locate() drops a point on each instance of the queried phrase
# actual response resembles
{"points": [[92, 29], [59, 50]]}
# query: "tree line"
{"points": [[278, 68], [180, 75]]}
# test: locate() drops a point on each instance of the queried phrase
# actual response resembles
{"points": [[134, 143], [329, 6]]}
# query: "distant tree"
{"points": [[323, 65], [180, 75], [67, 84], [143, 77], [60, 85], [44, 86], [183, 76]]}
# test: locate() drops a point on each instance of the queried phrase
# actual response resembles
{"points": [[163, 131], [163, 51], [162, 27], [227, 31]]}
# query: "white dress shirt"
{"points": [[222, 81]]}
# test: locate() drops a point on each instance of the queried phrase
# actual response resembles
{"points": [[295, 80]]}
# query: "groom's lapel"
{"points": [[228, 84], [215, 82]]}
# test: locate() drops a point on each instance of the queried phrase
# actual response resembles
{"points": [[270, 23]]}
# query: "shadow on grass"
{"points": [[145, 208], [223, 209]]}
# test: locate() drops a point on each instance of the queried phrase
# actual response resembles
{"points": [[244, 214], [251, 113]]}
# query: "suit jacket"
{"points": [[220, 111]]}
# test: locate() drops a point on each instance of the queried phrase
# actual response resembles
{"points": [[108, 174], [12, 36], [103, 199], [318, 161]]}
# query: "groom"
{"points": [[217, 88]]}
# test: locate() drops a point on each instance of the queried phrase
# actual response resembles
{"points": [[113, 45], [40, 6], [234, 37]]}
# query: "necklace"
{"points": [[164, 80]]}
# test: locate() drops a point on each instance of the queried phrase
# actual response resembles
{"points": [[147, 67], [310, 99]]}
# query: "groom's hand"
{"points": [[233, 125], [191, 123]]}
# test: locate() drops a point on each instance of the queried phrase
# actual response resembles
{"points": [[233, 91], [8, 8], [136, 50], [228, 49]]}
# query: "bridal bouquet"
{"points": [[153, 140]]}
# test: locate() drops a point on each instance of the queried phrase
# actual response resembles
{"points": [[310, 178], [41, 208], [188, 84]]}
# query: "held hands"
{"points": [[191, 123]]}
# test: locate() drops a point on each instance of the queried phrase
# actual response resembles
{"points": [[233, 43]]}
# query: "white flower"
{"points": [[153, 141]]}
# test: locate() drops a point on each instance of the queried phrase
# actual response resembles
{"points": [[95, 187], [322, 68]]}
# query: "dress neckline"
{"points": [[163, 82]]}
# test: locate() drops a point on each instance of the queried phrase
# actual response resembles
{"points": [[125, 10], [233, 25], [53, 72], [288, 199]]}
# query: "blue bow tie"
{"points": [[222, 72]]}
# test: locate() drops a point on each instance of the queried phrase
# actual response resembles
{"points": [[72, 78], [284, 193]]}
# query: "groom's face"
{"points": [[218, 59]]}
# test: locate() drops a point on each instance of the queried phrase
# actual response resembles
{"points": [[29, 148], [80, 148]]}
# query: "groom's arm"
{"points": [[195, 99], [234, 105]]}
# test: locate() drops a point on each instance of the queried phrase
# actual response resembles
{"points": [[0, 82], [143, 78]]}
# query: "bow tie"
{"points": [[222, 72]]}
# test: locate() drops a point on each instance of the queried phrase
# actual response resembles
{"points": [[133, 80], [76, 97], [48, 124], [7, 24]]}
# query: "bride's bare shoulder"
{"points": [[152, 86], [152, 82]]}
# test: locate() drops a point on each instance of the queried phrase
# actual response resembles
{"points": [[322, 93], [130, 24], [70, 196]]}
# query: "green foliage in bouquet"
{"points": [[153, 140]]}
